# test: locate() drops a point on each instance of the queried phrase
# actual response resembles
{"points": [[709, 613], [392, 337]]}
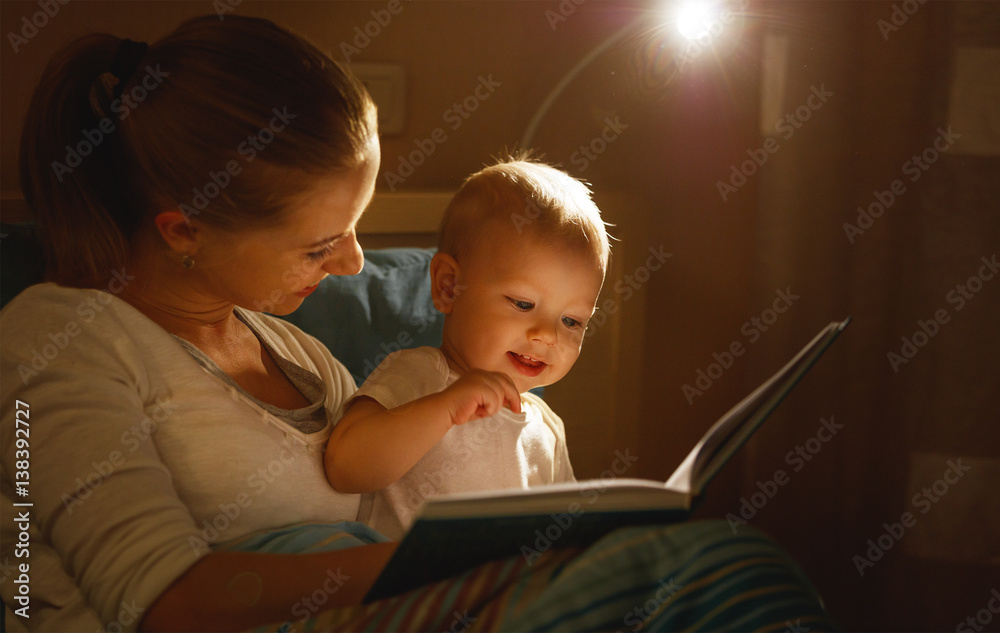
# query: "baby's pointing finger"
{"points": [[511, 396]]}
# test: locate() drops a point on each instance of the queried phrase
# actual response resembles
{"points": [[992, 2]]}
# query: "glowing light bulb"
{"points": [[693, 19]]}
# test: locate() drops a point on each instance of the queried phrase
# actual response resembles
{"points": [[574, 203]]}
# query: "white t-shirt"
{"points": [[505, 450], [139, 457]]}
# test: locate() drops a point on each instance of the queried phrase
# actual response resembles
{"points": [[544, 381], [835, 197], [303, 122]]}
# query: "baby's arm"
{"points": [[371, 446]]}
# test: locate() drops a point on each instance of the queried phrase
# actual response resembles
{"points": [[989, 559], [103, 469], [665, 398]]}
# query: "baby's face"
{"points": [[521, 308]]}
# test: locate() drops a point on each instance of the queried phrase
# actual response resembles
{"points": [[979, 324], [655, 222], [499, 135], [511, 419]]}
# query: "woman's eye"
{"points": [[320, 254], [524, 306], [571, 322]]}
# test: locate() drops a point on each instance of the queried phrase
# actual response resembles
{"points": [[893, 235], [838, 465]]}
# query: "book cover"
{"points": [[454, 533]]}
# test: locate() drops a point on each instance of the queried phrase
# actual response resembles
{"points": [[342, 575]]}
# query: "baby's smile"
{"points": [[527, 365]]}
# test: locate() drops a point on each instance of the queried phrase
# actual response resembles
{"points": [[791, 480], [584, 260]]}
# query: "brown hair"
{"points": [[230, 120], [532, 198]]}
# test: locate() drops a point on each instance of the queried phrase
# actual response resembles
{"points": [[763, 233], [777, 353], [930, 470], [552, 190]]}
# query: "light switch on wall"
{"points": [[974, 103], [952, 501], [774, 74], [386, 83]]}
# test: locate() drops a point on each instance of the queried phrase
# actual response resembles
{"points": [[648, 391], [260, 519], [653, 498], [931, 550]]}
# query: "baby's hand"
{"points": [[479, 394]]}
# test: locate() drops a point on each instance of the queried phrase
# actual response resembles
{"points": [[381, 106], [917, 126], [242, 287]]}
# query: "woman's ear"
{"points": [[177, 232], [444, 282]]}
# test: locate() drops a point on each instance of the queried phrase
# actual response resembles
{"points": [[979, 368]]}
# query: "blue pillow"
{"points": [[386, 307], [361, 319]]}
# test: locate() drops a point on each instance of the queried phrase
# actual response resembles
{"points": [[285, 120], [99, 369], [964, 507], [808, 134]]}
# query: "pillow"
{"points": [[361, 319], [386, 307]]}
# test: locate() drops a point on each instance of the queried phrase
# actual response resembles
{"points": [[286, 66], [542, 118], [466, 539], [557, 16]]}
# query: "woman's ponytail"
{"points": [[244, 98], [68, 172]]}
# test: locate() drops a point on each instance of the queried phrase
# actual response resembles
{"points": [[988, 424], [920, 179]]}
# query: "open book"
{"points": [[454, 533]]}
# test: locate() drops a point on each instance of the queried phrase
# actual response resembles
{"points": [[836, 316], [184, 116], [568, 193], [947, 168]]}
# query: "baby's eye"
{"points": [[523, 306], [571, 323]]}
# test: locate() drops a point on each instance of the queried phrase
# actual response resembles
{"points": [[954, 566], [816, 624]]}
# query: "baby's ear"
{"points": [[444, 282]]}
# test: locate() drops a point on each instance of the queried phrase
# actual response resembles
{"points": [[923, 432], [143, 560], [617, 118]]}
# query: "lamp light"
{"points": [[699, 21]]}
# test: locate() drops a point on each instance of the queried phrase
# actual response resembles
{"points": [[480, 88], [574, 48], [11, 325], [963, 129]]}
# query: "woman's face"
{"points": [[273, 270]]}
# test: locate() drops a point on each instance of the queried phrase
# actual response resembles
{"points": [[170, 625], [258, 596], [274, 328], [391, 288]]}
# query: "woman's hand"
{"points": [[212, 595]]}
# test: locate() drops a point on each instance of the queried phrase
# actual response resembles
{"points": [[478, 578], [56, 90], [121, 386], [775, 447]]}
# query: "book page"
{"points": [[733, 429], [597, 495]]}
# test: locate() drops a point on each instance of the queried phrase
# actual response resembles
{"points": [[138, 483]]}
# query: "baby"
{"points": [[520, 263]]}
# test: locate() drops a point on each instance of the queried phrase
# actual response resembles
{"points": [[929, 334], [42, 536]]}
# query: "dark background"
{"points": [[677, 133]]}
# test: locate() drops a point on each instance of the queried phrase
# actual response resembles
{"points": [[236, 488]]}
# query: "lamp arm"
{"points": [[536, 120]]}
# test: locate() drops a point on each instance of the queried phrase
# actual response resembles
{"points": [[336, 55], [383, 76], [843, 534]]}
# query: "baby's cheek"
{"points": [[574, 341]]}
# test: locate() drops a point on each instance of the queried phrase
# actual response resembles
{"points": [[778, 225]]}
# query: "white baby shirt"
{"points": [[505, 450]]}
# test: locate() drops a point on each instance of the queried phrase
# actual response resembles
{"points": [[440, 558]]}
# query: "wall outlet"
{"points": [[974, 103], [386, 83], [952, 501]]}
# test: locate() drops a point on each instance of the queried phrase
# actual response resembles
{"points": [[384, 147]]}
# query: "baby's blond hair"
{"points": [[533, 198]]}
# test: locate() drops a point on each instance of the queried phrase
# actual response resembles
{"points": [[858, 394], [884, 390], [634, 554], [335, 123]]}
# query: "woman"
{"points": [[212, 176]]}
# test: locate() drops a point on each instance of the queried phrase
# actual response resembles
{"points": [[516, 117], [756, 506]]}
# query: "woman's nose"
{"points": [[349, 261]]}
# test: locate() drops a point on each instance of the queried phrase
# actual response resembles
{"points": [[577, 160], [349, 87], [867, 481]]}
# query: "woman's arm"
{"points": [[372, 446], [233, 591]]}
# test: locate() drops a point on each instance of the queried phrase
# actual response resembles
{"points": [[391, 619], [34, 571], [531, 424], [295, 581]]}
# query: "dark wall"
{"points": [[880, 96]]}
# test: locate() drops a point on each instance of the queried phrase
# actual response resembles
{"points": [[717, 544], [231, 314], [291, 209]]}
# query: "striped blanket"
{"points": [[682, 577]]}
